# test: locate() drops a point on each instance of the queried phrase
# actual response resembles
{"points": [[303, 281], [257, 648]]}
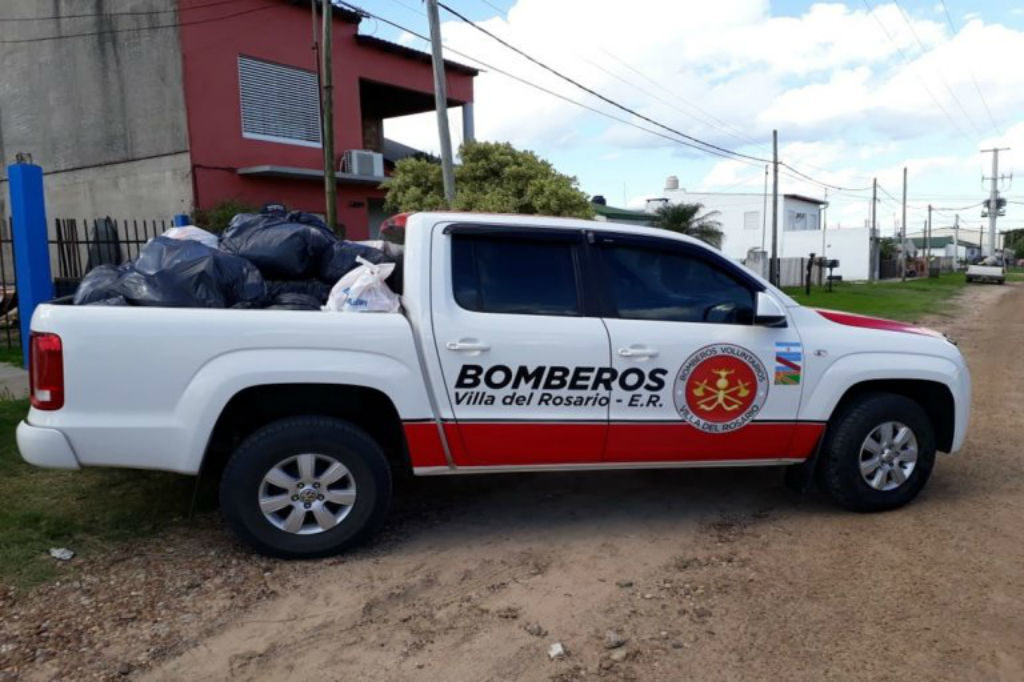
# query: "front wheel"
{"points": [[878, 454], [306, 487]]}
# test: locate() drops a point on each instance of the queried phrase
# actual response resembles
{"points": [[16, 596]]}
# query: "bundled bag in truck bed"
{"points": [[98, 285], [282, 245], [185, 273], [177, 273], [363, 290], [340, 258]]}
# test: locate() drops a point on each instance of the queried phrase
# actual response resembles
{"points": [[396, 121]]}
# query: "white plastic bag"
{"points": [[363, 290], [194, 233]]}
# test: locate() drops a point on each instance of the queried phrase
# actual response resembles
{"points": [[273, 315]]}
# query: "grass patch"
{"points": [[896, 300], [12, 356], [85, 511]]}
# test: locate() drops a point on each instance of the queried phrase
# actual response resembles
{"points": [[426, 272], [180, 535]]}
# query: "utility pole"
{"points": [[773, 266], [928, 242], [824, 223], [875, 255], [993, 198], [903, 231], [956, 242], [764, 213], [327, 104], [441, 103]]}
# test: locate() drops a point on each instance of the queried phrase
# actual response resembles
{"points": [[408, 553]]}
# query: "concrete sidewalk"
{"points": [[13, 382]]}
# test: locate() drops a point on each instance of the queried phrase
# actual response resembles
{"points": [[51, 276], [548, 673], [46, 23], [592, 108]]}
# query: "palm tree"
{"points": [[685, 219]]}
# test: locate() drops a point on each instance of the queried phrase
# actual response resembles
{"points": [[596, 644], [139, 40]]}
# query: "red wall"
{"points": [[276, 31]]}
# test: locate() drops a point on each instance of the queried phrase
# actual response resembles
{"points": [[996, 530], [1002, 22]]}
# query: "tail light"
{"points": [[394, 227], [46, 371]]}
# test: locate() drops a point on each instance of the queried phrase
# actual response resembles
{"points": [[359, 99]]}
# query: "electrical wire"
{"points": [[824, 184], [687, 140], [970, 71], [871, 11], [420, 12], [535, 86], [139, 28], [945, 83], [710, 146], [494, 7], [722, 125], [127, 13], [596, 94]]}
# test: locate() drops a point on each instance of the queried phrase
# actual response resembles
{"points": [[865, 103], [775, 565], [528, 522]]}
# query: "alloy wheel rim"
{"points": [[307, 494], [888, 456]]}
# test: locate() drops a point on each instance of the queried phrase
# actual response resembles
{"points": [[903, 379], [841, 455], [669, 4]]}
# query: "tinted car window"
{"points": [[648, 284], [514, 276]]}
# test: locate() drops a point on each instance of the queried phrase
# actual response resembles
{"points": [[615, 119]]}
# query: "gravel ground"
{"points": [[643, 575]]}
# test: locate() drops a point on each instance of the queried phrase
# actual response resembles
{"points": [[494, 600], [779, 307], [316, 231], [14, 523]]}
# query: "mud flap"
{"points": [[800, 477]]}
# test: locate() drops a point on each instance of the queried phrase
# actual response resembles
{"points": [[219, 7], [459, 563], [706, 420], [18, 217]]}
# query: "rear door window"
{"points": [[515, 276]]}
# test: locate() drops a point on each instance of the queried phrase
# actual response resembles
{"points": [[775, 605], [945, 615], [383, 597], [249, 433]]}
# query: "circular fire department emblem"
{"points": [[720, 388]]}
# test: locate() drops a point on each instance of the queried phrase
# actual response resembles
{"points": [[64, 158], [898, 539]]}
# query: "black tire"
{"points": [[841, 452], [277, 442]]}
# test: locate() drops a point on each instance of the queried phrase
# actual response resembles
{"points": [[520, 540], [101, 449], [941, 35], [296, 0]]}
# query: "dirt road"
{"points": [[719, 575]]}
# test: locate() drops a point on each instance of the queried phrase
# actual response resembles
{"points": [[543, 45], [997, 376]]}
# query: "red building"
{"points": [[252, 106]]}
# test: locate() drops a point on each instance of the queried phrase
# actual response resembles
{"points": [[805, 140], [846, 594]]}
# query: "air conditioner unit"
{"points": [[363, 162]]}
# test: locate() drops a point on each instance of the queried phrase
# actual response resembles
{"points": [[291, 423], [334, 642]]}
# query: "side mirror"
{"points": [[768, 312]]}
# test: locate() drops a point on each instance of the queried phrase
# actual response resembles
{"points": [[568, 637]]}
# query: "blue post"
{"points": [[180, 220], [31, 255]]}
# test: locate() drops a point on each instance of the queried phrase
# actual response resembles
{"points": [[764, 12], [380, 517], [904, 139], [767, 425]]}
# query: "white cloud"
{"points": [[847, 104]]}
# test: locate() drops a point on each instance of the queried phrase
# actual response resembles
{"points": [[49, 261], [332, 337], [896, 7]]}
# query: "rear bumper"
{"points": [[962, 407], [45, 447]]}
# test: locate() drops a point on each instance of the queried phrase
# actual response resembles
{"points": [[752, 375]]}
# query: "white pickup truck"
{"points": [[986, 271], [526, 344]]}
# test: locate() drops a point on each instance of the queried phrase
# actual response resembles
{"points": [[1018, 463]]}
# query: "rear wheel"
{"points": [[878, 454], [306, 487]]}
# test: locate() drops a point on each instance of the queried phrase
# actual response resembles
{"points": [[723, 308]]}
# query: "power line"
{"points": [[629, 110], [594, 93], [127, 13], [412, 9], [725, 127], [960, 208], [687, 141], [871, 11], [970, 71], [139, 28], [824, 184], [535, 86], [945, 83], [707, 119], [494, 7]]}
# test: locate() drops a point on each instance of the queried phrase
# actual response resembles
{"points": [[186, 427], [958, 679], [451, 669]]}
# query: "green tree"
{"points": [[217, 217], [687, 219], [492, 177]]}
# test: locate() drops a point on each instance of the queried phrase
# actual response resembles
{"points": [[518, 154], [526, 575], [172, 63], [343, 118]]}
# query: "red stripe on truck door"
{"points": [[533, 443], [668, 442]]}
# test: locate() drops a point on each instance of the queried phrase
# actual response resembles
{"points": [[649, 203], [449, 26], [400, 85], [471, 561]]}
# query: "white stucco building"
{"points": [[746, 225]]}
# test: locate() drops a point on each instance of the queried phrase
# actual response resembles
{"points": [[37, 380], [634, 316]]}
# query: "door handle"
{"points": [[638, 352], [467, 346]]}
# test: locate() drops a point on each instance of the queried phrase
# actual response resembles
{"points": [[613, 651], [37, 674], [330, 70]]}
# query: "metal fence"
{"points": [[76, 247]]}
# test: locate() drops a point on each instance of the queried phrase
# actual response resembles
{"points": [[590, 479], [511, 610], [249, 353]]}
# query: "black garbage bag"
{"points": [[294, 301], [310, 287], [183, 273], [340, 257], [98, 284], [113, 300], [282, 245]]}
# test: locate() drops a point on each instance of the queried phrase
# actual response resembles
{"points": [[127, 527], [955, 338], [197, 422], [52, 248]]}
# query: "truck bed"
{"points": [[160, 376]]}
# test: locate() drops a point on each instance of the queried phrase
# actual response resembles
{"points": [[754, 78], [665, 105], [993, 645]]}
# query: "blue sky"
{"points": [[854, 95]]}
